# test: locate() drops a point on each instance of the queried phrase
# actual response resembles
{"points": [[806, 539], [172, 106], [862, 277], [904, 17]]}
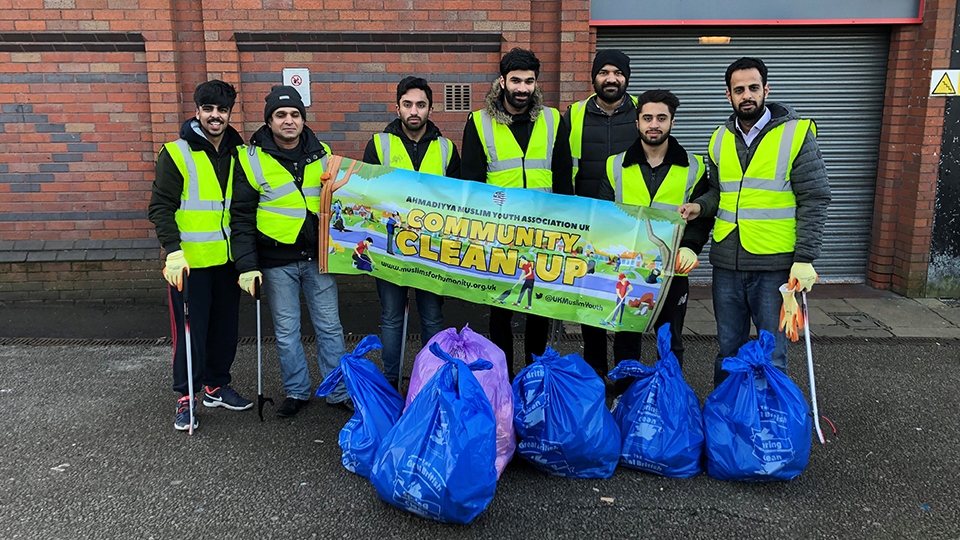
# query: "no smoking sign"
{"points": [[298, 78]]}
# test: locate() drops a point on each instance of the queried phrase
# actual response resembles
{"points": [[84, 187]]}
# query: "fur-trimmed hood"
{"points": [[493, 105]]}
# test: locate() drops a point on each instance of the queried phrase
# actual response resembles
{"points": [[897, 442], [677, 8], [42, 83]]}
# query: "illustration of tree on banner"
{"points": [[330, 185], [664, 247]]}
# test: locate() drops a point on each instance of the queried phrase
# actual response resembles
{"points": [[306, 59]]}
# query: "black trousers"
{"points": [[214, 298], [534, 339], [626, 345]]}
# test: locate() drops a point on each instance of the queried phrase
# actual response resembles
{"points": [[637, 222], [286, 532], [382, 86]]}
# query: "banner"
{"points": [[572, 258]]}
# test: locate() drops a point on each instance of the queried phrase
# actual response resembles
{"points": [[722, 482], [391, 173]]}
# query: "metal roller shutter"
{"points": [[833, 75]]}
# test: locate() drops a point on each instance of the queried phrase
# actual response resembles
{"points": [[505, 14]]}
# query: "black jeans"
{"points": [[214, 298]]}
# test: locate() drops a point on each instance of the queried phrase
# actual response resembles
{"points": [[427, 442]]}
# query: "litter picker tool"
{"points": [[403, 343], [186, 340], [813, 384], [260, 399]]}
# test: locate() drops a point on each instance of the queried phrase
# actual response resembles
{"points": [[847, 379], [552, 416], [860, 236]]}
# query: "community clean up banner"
{"points": [[571, 258]]}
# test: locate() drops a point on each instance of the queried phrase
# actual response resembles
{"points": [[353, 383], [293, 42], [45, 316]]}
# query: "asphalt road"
{"points": [[89, 452]]}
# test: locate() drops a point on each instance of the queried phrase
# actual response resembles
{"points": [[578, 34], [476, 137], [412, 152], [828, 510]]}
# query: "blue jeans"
{"points": [[738, 298], [282, 286], [393, 298]]}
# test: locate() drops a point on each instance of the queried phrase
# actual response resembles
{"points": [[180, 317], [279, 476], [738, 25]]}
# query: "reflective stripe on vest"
{"points": [[282, 208], [760, 200], [578, 112], [435, 160], [507, 165], [673, 192], [203, 218]]}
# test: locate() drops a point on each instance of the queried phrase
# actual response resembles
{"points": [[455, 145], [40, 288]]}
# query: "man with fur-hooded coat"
{"points": [[515, 141]]}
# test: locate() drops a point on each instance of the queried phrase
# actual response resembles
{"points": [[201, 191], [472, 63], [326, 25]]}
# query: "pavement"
{"points": [[90, 452], [836, 311]]}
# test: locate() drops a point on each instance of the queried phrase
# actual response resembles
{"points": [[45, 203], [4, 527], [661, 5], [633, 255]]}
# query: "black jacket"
{"points": [[253, 250], [603, 136], [697, 232], [473, 165], [168, 183], [811, 187], [415, 149]]}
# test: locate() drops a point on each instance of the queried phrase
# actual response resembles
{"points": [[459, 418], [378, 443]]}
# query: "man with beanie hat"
{"points": [[600, 126], [276, 199], [507, 144], [189, 206]]}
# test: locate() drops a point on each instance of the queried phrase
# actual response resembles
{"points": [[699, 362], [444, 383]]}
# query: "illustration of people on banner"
{"points": [[559, 256]]}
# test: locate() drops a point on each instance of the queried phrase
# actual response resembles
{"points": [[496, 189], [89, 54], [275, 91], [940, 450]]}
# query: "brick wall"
{"points": [[909, 153], [90, 90]]}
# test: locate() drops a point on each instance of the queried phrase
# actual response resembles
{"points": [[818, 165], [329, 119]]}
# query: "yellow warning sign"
{"points": [[944, 87], [944, 82]]}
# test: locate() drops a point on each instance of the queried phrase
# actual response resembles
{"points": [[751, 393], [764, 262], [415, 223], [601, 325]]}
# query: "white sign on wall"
{"points": [[298, 78]]}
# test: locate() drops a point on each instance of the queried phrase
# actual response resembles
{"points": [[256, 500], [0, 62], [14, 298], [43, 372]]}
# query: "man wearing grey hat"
{"points": [[603, 125], [276, 199]]}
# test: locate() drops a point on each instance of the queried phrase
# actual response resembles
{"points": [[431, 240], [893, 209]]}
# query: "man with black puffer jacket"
{"points": [[414, 143], [189, 208], [603, 125], [276, 199]]}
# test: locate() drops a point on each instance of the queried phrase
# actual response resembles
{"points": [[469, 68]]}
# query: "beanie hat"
{"points": [[283, 96], [612, 57]]}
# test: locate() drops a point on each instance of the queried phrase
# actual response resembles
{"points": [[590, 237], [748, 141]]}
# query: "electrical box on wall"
{"points": [[298, 78]]}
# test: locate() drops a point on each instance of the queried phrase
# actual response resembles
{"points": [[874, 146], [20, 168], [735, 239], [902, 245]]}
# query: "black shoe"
{"points": [[289, 407], [346, 405]]}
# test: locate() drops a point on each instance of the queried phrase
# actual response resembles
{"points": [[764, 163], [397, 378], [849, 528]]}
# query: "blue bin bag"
{"points": [[659, 416], [439, 460], [757, 422], [562, 421], [376, 403]]}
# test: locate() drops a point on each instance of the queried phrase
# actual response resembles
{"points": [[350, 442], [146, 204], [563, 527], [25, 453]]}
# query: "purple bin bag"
{"points": [[470, 346]]}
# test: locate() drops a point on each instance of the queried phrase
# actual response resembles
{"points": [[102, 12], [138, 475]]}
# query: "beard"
{"points": [[610, 93], [421, 123], [514, 102], [660, 139], [752, 115]]}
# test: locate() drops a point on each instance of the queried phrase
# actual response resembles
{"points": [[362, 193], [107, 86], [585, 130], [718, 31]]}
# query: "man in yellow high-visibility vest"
{"points": [[276, 199], [516, 141], [656, 171], [410, 142], [190, 207], [774, 193]]}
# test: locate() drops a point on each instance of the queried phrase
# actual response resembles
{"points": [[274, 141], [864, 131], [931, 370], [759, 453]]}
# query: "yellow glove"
{"points": [[686, 261], [802, 277], [791, 320], [247, 280], [173, 269]]}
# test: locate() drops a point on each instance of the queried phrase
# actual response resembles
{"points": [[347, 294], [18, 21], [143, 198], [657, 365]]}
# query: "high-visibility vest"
{"points": [[282, 208], [578, 111], [204, 214], [392, 152], [760, 200], [676, 189], [507, 165]]}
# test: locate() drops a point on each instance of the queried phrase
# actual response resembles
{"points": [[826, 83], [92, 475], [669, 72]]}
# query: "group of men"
{"points": [[226, 213]]}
